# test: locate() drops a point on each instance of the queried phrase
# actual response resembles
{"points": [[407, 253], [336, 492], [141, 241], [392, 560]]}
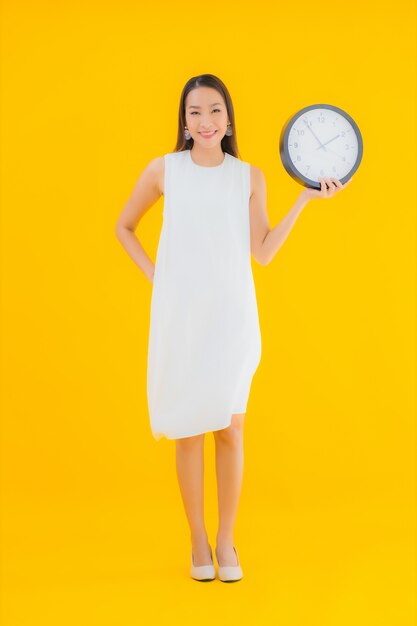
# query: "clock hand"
{"points": [[324, 144], [314, 134], [332, 151]]}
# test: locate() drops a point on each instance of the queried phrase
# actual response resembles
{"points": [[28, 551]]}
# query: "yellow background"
{"points": [[93, 527]]}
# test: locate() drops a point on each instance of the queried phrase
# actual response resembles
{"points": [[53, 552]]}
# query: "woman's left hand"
{"points": [[329, 187]]}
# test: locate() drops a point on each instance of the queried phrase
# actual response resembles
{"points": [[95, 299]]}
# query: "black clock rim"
{"points": [[285, 155]]}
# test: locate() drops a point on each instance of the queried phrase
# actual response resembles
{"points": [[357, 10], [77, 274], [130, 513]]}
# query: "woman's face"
{"points": [[205, 112]]}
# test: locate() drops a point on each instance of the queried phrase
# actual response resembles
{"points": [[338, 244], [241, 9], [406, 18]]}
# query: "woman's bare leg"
{"points": [[190, 473], [229, 470]]}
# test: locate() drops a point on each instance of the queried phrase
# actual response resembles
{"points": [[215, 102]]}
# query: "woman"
{"points": [[204, 341]]}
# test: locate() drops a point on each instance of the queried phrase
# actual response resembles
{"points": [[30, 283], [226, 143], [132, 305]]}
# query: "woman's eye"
{"points": [[192, 113]]}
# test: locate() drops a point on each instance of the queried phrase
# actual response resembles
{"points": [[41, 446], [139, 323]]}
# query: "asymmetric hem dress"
{"points": [[204, 341]]}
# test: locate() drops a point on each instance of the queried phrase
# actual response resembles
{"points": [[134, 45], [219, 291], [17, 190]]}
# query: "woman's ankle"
{"points": [[199, 538], [224, 540]]}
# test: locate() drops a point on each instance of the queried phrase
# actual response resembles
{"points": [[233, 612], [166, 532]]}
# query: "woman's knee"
{"points": [[232, 433], [187, 443]]}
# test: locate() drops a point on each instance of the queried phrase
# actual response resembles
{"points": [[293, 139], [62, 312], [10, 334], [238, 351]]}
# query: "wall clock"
{"points": [[320, 140]]}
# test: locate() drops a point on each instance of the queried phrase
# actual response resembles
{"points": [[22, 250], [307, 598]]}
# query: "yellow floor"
{"points": [[121, 565]]}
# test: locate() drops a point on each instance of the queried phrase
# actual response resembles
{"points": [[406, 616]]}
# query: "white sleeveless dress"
{"points": [[204, 339]]}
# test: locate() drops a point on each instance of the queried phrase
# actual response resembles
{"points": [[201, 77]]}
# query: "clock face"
{"points": [[320, 140]]}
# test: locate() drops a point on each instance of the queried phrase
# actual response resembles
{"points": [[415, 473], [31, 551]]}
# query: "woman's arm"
{"points": [[265, 242], [145, 193], [276, 237]]}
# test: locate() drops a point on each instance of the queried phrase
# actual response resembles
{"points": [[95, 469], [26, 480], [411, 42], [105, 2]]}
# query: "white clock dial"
{"points": [[321, 141]]}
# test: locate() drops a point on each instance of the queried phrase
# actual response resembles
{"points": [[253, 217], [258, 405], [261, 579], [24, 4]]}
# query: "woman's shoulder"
{"points": [[159, 161], [253, 168], [257, 179], [157, 166]]}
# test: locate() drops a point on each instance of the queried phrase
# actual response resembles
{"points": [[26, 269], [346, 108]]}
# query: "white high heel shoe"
{"points": [[230, 573], [202, 572]]}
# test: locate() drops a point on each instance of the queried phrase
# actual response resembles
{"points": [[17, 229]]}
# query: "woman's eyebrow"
{"points": [[196, 107]]}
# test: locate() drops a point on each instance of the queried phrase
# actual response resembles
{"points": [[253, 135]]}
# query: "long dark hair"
{"points": [[229, 143]]}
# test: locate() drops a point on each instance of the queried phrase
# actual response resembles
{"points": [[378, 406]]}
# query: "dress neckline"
{"points": [[207, 167]]}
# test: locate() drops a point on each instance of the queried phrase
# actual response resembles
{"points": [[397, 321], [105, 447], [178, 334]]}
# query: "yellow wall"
{"points": [[94, 531]]}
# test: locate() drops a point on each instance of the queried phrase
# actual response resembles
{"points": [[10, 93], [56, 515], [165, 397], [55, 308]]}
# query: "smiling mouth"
{"points": [[208, 134]]}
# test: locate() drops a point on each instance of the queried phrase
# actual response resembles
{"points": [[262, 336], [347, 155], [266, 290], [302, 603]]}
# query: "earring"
{"points": [[187, 133], [229, 130]]}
